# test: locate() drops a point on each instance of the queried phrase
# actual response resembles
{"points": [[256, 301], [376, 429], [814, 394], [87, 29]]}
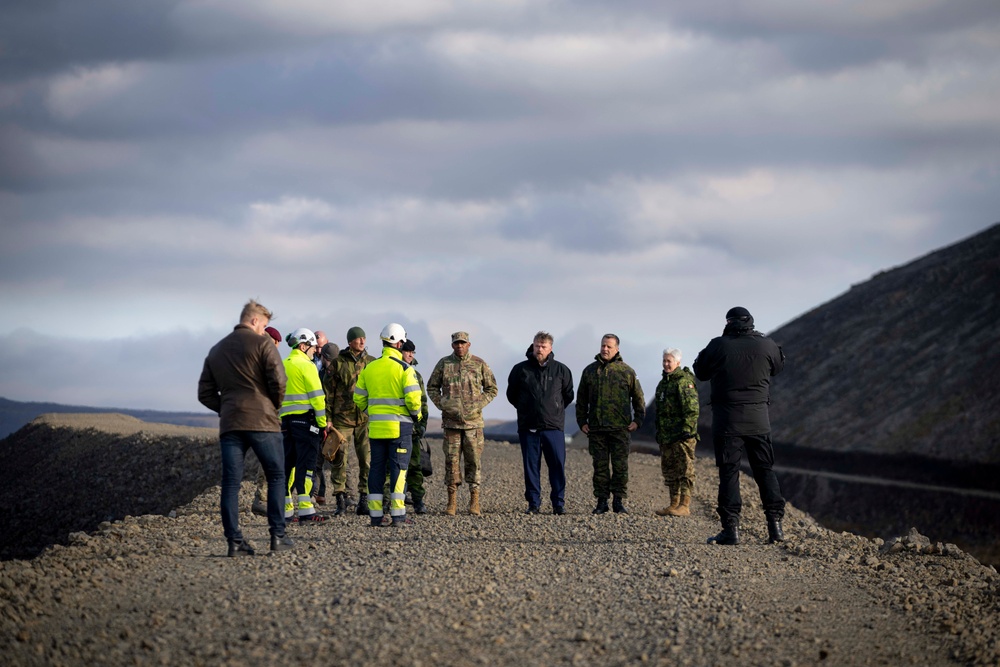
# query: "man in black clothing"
{"points": [[541, 388], [740, 364]]}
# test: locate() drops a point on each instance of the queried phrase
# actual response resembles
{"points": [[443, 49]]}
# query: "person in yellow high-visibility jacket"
{"points": [[303, 419], [387, 389]]}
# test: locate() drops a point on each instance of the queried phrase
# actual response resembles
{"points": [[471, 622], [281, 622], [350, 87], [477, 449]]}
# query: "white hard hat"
{"points": [[300, 336], [393, 333]]}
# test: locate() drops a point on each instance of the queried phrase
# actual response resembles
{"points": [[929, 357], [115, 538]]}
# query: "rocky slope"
{"points": [[504, 588], [903, 364]]}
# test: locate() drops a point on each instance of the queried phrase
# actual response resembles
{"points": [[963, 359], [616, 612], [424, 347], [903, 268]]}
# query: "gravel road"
{"points": [[504, 588]]}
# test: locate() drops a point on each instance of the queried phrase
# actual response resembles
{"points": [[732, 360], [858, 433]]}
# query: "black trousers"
{"points": [[760, 454]]}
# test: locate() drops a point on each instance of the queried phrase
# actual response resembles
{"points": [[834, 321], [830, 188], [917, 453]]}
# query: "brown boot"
{"points": [[452, 501], [675, 500], [474, 502], [684, 508]]}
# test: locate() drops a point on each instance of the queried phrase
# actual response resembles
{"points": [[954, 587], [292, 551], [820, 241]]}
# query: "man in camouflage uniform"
{"points": [[415, 472], [461, 385], [676, 405], [609, 407], [348, 419]]}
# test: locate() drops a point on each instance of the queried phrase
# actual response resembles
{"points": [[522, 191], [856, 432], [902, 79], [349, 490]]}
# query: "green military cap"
{"points": [[460, 337]]}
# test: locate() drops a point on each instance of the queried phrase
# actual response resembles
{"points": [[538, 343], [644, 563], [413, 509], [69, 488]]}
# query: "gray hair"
{"points": [[673, 352]]}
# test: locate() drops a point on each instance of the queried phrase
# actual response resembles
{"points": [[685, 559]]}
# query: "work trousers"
{"points": [[389, 457], [302, 440], [552, 445], [760, 454]]}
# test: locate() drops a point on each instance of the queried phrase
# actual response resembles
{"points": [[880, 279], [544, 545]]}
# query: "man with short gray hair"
{"points": [[676, 405]]}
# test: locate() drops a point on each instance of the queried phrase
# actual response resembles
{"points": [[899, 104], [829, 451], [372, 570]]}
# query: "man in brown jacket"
{"points": [[243, 380]]}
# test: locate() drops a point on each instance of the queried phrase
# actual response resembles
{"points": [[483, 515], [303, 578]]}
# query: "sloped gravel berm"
{"points": [[502, 589]]}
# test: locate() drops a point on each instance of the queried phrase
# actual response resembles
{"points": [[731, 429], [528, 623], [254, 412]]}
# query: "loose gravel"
{"points": [[504, 588]]}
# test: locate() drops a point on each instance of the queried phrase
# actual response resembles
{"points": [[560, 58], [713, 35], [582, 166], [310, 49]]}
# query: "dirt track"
{"points": [[504, 588]]}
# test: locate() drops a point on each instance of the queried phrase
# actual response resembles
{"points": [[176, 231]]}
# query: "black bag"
{"points": [[425, 458]]}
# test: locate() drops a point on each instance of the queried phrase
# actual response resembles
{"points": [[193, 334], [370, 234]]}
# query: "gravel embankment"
{"points": [[504, 588]]}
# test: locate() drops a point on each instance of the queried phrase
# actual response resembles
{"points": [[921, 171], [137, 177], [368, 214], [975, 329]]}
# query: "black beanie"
{"points": [[737, 313]]}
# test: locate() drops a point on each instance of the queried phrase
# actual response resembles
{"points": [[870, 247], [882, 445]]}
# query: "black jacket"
{"points": [[740, 364], [540, 393]]}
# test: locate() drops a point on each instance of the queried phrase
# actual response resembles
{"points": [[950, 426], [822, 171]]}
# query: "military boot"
{"points": [[362, 508], [618, 505], [474, 502], [602, 506], [683, 508], [675, 500], [341, 504], [730, 535], [418, 506], [774, 531], [452, 501]]}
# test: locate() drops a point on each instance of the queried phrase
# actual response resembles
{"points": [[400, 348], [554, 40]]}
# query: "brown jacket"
{"points": [[244, 381]]}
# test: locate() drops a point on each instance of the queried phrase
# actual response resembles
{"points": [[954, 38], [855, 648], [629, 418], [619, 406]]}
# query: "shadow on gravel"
{"points": [[883, 496], [62, 480]]}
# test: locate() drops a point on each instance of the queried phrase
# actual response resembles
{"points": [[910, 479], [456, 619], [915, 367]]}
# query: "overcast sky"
{"points": [[499, 167]]}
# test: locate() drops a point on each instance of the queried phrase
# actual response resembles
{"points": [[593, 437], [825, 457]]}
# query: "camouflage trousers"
{"points": [[358, 436], [610, 452], [467, 443], [677, 465]]}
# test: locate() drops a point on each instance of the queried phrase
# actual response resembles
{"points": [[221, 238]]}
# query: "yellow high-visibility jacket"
{"points": [[304, 392], [387, 388]]}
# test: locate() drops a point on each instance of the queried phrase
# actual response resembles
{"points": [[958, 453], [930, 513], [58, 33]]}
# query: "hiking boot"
{"points": [[452, 501], [283, 543], [619, 506], [774, 531], [474, 502], [675, 500], [362, 508], [401, 522], [418, 506], [312, 519], [683, 507], [341, 504], [240, 548], [729, 535], [602, 506]]}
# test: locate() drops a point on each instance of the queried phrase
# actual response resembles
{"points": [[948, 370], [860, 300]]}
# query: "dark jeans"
{"points": [[760, 454], [270, 452], [551, 445], [389, 457]]}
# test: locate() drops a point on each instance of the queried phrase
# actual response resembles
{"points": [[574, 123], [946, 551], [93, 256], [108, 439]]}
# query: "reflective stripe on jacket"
{"points": [[304, 391], [387, 388]]}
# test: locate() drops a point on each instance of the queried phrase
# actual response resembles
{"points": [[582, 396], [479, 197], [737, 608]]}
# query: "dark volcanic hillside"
{"points": [[904, 364]]}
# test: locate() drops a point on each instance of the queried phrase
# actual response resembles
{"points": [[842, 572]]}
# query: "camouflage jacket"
{"points": [[461, 388], [609, 397], [420, 427], [676, 405], [338, 383]]}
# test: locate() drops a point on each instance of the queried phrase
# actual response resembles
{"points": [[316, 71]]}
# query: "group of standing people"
{"points": [[379, 405]]}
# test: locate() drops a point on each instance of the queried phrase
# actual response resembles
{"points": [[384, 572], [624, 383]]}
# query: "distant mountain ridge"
{"points": [[907, 363], [15, 414]]}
